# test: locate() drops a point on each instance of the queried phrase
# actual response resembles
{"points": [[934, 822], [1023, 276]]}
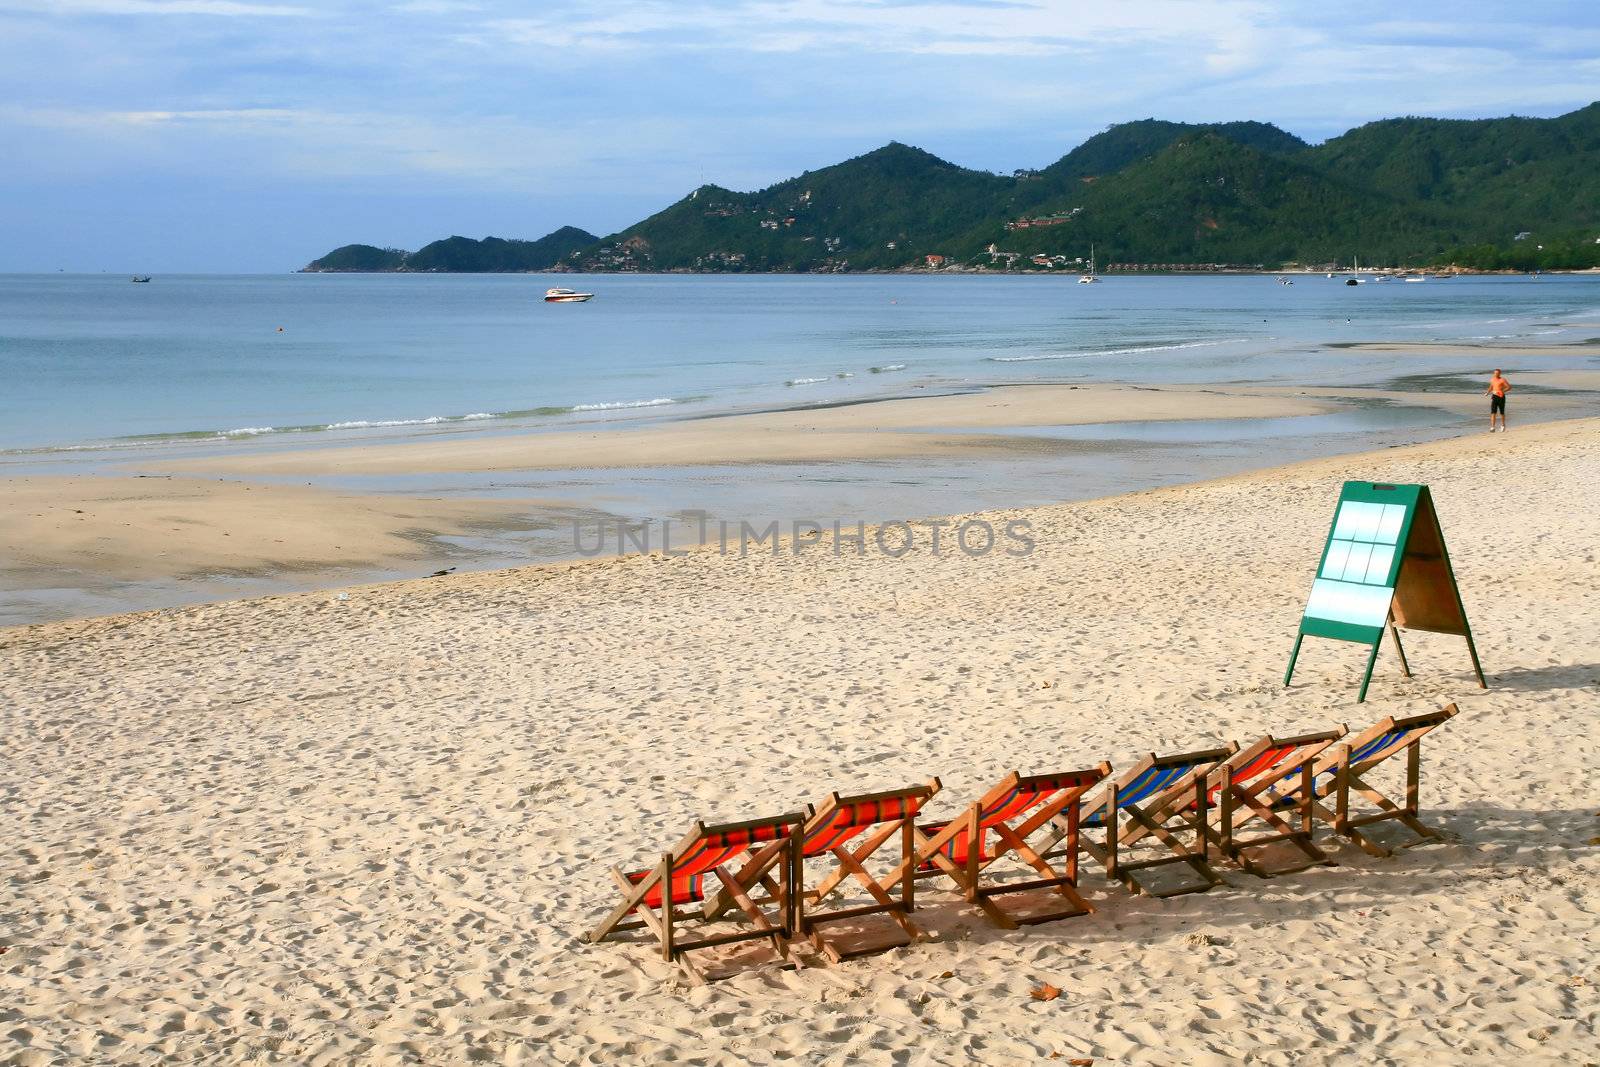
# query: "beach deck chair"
{"points": [[1157, 801], [968, 848], [850, 830], [653, 898], [1247, 782], [1341, 771]]}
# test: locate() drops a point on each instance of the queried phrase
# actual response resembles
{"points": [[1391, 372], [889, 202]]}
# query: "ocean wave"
{"points": [[804, 381], [1114, 351], [240, 433], [615, 405], [886, 368]]}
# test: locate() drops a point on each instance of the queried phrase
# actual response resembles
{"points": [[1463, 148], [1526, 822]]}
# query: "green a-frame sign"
{"points": [[1384, 568]]}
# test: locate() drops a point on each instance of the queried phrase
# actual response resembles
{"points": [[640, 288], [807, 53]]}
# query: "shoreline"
{"points": [[396, 533]]}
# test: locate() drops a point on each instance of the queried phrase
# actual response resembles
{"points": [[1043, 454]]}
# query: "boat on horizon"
{"points": [[1091, 277], [566, 296], [140, 278]]}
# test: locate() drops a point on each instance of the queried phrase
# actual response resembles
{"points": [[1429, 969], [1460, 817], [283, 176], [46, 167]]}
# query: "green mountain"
{"points": [[460, 254], [365, 259], [880, 210], [1490, 193]]}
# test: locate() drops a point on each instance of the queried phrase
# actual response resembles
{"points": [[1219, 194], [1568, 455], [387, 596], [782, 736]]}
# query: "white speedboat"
{"points": [[566, 296]]}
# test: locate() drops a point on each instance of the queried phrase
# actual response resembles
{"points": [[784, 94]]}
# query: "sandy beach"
{"points": [[374, 828]]}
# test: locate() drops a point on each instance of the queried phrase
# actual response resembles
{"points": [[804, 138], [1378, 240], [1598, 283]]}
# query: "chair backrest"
{"points": [[1157, 776], [1016, 795], [704, 848], [841, 818], [1385, 738], [1273, 759], [1040, 797]]}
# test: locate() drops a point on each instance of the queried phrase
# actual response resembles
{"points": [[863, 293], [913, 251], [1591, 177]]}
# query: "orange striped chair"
{"points": [[1241, 784], [865, 823], [849, 830], [654, 898], [970, 848]]}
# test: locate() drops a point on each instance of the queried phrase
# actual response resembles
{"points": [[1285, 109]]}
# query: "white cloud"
{"points": [[231, 8], [1044, 27]]}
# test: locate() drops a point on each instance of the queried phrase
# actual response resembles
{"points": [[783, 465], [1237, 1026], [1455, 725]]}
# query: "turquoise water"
{"points": [[93, 362]]}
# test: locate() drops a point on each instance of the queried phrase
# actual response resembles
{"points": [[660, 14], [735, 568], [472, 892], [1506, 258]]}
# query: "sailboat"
{"points": [[1091, 277]]}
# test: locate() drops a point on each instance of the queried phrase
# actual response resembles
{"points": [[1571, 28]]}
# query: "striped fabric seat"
{"points": [[850, 819], [1151, 804], [1008, 805], [1263, 781], [1380, 746], [1252, 769], [708, 852], [1338, 774], [1373, 750], [984, 849], [1148, 784], [847, 833]]}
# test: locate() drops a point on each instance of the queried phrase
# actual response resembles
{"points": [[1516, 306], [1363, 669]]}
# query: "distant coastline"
{"points": [[1508, 195]]}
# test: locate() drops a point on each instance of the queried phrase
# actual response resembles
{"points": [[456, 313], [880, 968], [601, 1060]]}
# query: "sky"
{"points": [[255, 135]]}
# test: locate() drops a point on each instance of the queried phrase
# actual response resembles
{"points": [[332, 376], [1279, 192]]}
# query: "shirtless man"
{"points": [[1498, 388]]}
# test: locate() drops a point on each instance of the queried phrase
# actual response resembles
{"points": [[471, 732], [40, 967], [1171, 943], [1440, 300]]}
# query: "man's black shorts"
{"points": [[1497, 405]]}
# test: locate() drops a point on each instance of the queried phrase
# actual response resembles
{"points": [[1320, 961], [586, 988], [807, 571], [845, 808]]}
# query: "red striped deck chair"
{"points": [[1155, 802], [970, 847], [1243, 783], [704, 852], [849, 830], [1342, 771]]}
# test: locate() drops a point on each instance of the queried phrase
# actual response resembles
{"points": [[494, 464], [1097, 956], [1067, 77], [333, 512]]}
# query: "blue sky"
{"points": [[253, 135]]}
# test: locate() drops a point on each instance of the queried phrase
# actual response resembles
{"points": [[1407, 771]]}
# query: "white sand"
{"points": [[300, 830]]}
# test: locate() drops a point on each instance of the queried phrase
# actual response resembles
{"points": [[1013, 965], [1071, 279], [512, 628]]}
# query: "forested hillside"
{"points": [[1509, 193]]}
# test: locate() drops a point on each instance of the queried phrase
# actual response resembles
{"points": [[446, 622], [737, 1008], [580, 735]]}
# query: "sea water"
{"points": [[95, 363]]}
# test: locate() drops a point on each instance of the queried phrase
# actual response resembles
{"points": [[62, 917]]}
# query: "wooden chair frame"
{"points": [[781, 856], [1057, 797], [1239, 784], [1339, 771], [1177, 806], [1352, 760], [850, 858]]}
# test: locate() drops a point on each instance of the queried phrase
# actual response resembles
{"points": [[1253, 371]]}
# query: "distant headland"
{"points": [[1486, 194]]}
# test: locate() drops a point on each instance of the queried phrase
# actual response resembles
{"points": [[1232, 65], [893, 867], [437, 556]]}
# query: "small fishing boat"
{"points": [[566, 296], [140, 278]]}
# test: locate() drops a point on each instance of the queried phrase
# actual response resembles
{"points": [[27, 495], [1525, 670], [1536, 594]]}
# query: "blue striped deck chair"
{"points": [[1155, 803], [981, 849], [1342, 771]]}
